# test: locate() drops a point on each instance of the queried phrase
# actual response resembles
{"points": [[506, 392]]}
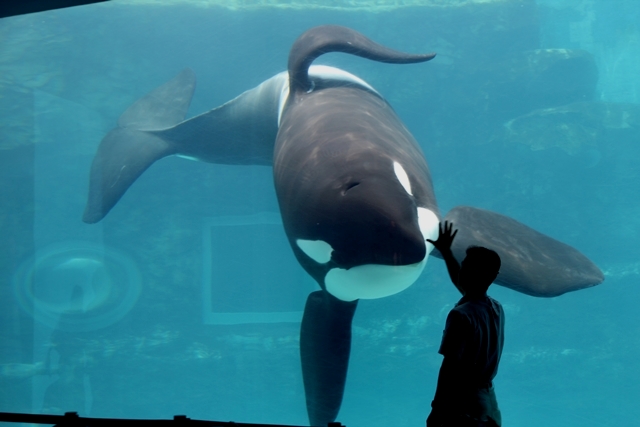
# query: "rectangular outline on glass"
{"points": [[209, 317]]}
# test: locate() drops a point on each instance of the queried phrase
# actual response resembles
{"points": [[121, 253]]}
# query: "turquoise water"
{"points": [[186, 299]]}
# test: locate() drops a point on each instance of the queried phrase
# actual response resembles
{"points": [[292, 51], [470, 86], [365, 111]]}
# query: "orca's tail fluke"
{"points": [[325, 345], [129, 149], [333, 38], [532, 263]]}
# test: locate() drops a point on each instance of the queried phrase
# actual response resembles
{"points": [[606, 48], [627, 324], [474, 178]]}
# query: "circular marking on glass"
{"points": [[77, 286]]}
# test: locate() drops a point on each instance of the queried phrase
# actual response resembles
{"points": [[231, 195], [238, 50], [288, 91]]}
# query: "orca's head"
{"points": [[354, 188], [361, 232]]}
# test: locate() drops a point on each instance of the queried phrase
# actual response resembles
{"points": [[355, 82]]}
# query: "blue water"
{"points": [[201, 246]]}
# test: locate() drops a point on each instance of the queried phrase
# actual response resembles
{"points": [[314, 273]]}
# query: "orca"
{"points": [[353, 186]]}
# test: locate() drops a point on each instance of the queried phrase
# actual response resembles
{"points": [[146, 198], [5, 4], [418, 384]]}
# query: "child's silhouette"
{"points": [[472, 341]]}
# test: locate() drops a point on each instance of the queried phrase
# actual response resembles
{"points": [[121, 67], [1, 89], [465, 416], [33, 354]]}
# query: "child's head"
{"points": [[478, 270]]}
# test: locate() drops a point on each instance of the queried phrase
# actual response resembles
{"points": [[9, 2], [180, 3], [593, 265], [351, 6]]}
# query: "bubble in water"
{"points": [[77, 286]]}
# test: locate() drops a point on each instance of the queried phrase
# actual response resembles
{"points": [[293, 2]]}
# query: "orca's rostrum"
{"points": [[354, 190]]}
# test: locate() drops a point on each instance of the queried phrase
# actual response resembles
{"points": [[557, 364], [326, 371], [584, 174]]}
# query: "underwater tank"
{"points": [[187, 297]]}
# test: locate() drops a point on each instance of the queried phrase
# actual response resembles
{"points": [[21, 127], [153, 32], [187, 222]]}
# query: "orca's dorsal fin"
{"points": [[333, 38]]}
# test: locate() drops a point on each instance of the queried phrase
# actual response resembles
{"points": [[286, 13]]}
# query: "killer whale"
{"points": [[353, 186]]}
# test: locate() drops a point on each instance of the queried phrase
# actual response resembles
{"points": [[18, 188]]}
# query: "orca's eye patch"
{"points": [[402, 176]]}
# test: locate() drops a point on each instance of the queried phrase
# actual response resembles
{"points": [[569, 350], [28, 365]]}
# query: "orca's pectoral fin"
{"points": [[129, 149], [532, 263], [325, 344]]}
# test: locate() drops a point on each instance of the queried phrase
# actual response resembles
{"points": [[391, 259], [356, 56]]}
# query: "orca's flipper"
{"points": [[532, 263], [128, 150], [325, 344]]}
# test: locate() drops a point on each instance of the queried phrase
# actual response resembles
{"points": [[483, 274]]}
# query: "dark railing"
{"points": [[71, 419]]}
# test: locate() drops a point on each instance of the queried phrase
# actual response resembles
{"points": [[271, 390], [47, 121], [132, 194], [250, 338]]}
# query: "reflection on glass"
{"points": [[77, 286]]}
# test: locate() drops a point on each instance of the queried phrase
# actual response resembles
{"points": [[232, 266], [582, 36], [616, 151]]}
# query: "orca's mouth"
{"points": [[371, 281]]}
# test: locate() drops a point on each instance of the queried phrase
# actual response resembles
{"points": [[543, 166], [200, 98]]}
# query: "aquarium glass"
{"points": [[186, 299]]}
